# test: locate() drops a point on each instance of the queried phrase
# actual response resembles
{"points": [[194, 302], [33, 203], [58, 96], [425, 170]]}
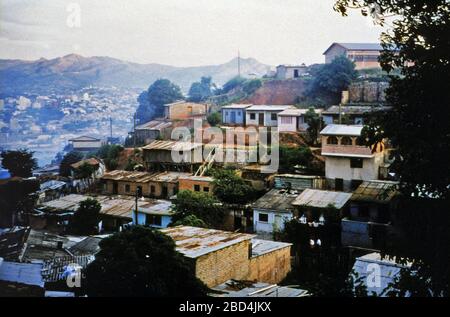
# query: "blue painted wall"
{"points": [[233, 116]]}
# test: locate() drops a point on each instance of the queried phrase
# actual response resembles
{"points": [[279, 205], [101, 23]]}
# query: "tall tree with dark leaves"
{"points": [[19, 163], [200, 91], [418, 127]]}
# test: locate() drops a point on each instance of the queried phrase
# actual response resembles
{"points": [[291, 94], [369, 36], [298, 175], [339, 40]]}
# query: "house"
{"points": [[293, 120], [298, 182], [291, 71], [219, 256], [86, 144], [348, 161], [156, 213], [21, 279], [150, 131], [154, 185], [12, 241], [233, 288], [364, 55], [264, 115], [377, 272], [182, 110], [172, 155], [51, 189], [318, 206], [196, 183], [356, 115], [80, 179], [368, 222], [272, 210], [234, 114]]}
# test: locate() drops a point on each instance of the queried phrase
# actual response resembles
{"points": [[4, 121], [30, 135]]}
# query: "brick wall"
{"points": [[271, 267]]}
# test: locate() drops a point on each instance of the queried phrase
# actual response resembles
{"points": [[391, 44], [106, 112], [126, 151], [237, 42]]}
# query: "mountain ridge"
{"points": [[73, 71]]}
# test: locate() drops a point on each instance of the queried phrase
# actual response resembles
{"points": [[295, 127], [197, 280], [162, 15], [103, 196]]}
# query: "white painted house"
{"points": [[348, 162], [264, 115]]}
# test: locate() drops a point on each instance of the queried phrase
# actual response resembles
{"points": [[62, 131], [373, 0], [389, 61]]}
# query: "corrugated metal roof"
{"points": [[233, 288], [157, 207], [322, 198], [84, 138], [154, 125], [375, 191], [355, 110], [194, 242], [22, 273], [342, 129], [129, 176], [261, 247], [269, 107], [236, 106], [293, 112], [87, 246], [277, 199], [168, 145], [91, 161], [56, 269]]}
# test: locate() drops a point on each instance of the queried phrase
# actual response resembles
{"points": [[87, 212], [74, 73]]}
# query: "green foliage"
{"points": [[200, 91], [84, 171], [86, 218], [190, 220], [292, 156], [214, 119], [202, 205], [16, 196], [19, 163], [331, 79], [141, 262], [110, 154], [151, 102], [69, 159], [250, 86], [231, 84], [315, 124], [231, 188]]}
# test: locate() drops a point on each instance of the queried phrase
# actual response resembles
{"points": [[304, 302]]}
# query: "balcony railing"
{"points": [[346, 150]]}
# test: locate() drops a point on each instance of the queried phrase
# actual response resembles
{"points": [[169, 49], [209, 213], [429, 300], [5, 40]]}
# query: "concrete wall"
{"points": [[271, 267], [334, 52], [185, 110], [165, 220], [189, 184], [284, 72], [146, 188], [268, 122]]}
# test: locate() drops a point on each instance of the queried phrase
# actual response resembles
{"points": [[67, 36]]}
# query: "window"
{"points": [[152, 189], [286, 120], [273, 116], [263, 217], [153, 220], [197, 188], [339, 184], [127, 188], [206, 189], [356, 162], [226, 113], [239, 113], [346, 140], [252, 116], [332, 140], [295, 73]]}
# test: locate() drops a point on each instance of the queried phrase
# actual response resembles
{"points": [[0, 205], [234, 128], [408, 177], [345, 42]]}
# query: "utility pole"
{"points": [[110, 128], [239, 63], [134, 130], [340, 113]]}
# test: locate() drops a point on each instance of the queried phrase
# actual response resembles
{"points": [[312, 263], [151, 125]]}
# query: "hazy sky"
{"points": [[178, 32]]}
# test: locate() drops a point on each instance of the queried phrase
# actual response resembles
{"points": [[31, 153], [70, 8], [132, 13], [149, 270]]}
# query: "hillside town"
{"points": [[281, 185]]}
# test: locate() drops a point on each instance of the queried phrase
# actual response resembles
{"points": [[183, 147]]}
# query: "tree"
{"points": [[110, 154], [293, 156], [250, 86], [20, 163], [200, 91], [84, 171], [141, 262], [417, 126], [331, 79], [315, 124], [230, 188], [151, 103], [202, 205], [86, 218], [190, 220], [231, 84], [69, 159], [214, 119]]}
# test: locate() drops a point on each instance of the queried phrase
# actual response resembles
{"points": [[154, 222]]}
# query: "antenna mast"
{"points": [[239, 64]]}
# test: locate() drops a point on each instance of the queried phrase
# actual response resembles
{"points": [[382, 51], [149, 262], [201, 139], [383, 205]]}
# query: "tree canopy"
{"points": [[141, 262], [69, 159], [329, 80], [19, 163], [86, 218], [230, 188], [202, 90], [152, 101], [315, 124], [214, 119], [202, 205]]}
